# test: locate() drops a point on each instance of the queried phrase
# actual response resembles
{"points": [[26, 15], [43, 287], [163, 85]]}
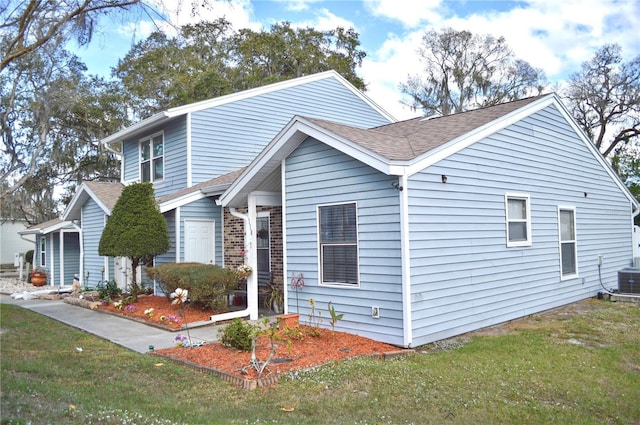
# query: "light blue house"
{"points": [[429, 228], [192, 154], [57, 250]]}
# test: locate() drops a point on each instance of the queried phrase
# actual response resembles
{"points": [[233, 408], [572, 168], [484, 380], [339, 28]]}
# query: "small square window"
{"points": [[518, 217]]}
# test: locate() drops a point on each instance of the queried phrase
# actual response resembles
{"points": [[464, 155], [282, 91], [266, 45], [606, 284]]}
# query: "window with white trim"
{"points": [[518, 214], [152, 158], [43, 251], [338, 244], [568, 242]]}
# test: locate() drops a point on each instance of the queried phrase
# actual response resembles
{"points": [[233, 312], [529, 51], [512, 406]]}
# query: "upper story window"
{"points": [[518, 213], [338, 240], [568, 242], [152, 158]]}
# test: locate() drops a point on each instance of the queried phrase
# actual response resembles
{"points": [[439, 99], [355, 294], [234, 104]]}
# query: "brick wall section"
{"points": [[234, 240]]}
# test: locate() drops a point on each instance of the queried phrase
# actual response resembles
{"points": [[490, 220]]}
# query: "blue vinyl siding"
{"points": [[175, 157], [204, 209], [93, 220], [316, 175], [463, 277], [229, 136], [170, 255], [71, 256]]}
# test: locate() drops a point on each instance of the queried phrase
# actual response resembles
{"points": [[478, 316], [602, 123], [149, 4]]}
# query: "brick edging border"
{"points": [[252, 384]]}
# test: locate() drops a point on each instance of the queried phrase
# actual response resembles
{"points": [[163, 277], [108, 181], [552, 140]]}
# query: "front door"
{"points": [[199, 241]]}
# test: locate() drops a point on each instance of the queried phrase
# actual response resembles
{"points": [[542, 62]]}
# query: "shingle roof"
{"points": [[225, 179], [406, 140], [107, 193], [45, 224]]}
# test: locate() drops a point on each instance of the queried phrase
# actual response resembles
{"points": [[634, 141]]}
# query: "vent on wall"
{"points": [[629, 280]]}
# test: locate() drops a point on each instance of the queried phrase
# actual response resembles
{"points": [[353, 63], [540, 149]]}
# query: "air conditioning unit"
{"points": [[629, 280]]}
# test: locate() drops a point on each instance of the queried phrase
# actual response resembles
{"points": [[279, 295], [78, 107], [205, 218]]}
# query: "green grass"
{"points": [[581, 369]]}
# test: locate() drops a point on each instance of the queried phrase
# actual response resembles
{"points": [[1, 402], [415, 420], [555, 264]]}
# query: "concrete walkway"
{"points": [[127, 333]]}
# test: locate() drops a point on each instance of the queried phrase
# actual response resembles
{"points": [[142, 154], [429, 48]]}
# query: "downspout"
{"points": [[407, 326], [120, 157], [250, 258]]}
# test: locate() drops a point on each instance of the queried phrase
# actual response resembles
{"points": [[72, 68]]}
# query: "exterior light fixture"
{"points": [[444, 178]]}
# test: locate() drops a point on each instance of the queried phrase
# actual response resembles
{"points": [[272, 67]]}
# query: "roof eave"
{"points": [[285, 142]]}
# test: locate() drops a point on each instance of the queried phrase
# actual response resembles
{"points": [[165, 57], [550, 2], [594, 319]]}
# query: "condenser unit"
{"points": [[629, 280]]}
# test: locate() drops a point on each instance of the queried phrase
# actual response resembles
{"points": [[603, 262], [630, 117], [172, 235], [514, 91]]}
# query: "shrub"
{"points": [[237, 334], [109, 289], [28, 256], [208, 284]]}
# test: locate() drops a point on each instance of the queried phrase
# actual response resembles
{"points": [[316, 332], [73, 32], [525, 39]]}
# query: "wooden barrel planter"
{"points": [[38, 278]]}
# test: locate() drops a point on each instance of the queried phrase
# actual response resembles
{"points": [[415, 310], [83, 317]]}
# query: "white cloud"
{"points": [[387, 67], [409, 13]]}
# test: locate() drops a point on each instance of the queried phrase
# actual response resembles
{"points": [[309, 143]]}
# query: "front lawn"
{"points": [[572, 368]]}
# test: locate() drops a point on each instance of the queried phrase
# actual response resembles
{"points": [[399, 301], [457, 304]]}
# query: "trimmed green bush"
{"points": [[208, 284], [237, 334], [136, 229]]}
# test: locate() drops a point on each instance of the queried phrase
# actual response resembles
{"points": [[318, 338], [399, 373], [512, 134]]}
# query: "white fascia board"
{"points": [[205, 192], [467, 139], [102, 206], [182, 200], [59, 226], [79, 198], [245, 94], [32, 231], [595, 152], [294, 133], [345, 146], [217, 189], [139, 126]]}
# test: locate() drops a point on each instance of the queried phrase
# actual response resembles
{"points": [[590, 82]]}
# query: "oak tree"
{"points": [[464, 71]]}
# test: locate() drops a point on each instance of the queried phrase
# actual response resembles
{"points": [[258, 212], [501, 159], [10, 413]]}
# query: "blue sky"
{"points": [[555, 35]]}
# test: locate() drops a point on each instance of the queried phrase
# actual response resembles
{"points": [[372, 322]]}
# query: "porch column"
{"points": [[251, 257]]}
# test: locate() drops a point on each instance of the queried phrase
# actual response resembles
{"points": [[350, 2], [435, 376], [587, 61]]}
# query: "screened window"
{"points": [[338, 237], [568, 251], [152, 159], [518, 220]]}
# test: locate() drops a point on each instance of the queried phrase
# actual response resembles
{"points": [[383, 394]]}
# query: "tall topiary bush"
{"points": [[136, 229]]}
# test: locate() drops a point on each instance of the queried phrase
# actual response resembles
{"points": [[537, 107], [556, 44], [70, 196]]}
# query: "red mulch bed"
{"points": [[302, 347], [162, 307]]}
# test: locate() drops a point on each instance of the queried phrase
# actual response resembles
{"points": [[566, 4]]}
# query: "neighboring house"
{"points": [[57, 250], [428, 228], [193, 153], [11, 242]]}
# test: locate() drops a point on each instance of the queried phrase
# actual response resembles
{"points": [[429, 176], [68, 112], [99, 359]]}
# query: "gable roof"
{"points": [[401, 148], [406, 140], [48, 227], [171, 113], [215, 186], [103, 193]]}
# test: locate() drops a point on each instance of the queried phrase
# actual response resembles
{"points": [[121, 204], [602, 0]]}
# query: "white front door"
{"points": [[199, 241]]}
